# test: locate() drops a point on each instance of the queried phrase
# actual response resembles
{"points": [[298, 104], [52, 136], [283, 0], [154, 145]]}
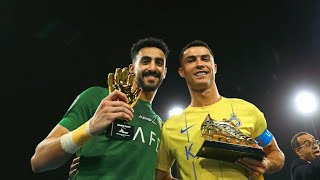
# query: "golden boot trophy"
{"points": [[223, 141], [122, 80]]}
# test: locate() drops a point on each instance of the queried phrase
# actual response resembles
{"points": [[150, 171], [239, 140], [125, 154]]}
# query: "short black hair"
{"points": [[148, 42], [193, 44], [294, 141]]}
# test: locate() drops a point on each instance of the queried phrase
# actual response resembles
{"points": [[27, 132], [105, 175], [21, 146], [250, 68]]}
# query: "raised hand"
{"points": [[114, 106]]}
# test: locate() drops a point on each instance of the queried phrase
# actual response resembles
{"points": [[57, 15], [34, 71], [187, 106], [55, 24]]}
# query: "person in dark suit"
{"points": [[307, 166]]}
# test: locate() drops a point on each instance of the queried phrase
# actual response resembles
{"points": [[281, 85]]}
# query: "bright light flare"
{"points": [[306, 102], [175, 110]]}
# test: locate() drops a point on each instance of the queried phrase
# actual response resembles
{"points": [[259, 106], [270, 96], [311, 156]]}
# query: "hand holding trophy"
{"points": [[223, 141], [123, 81]]}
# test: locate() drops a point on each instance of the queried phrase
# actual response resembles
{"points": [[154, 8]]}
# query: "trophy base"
{"points": [[228, 152], [120, 130]]}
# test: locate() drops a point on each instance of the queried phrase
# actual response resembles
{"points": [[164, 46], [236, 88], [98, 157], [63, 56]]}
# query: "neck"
{"points": [[204, 97], [305, 159], [148, 96]]}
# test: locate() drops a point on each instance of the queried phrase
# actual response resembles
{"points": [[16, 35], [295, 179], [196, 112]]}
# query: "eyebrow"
{"points": [[149, 57], [307, 141], [201, 55], [195, 56]]}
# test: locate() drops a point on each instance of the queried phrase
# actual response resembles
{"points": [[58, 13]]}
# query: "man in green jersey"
{"points": [[82, 128]]}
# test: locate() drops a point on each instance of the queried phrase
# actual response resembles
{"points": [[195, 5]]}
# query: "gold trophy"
{"points": [[122, 80], [223, 141]]}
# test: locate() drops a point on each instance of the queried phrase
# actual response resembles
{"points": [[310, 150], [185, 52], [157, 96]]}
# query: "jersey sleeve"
{"points": [[81, 110], [261, 133]]}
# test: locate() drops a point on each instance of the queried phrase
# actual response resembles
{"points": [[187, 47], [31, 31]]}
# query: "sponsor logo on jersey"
{"points": [[186, 129], [147, 119]]}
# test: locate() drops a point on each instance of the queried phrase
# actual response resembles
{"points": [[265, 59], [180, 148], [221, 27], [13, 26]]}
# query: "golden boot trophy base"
{"points": [[122, 80], [223, 141], [228, 152]]}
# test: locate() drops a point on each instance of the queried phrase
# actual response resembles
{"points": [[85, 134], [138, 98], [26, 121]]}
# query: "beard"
{"points": [[147, 85]]}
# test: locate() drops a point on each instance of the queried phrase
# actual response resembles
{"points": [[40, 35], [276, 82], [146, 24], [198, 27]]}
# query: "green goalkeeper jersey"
{"points": [[107, 159]]}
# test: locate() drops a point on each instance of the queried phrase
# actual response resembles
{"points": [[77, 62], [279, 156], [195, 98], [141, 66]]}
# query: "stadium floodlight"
{"points": [[175, 110], [306, 102]]}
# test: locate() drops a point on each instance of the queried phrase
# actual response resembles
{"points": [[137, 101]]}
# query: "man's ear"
{"points": [[297, 150], [180, 71], [131, 68], [216, 68], [165, 73]]}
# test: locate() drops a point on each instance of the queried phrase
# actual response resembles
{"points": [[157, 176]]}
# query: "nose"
{"points": [[152, 66], [199, 63]]}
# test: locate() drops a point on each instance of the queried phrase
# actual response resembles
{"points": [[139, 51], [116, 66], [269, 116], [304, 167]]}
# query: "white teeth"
{"points": [[201, 74]]}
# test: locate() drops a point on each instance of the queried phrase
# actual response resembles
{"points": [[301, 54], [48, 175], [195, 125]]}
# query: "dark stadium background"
{"points": [[51, 50]]}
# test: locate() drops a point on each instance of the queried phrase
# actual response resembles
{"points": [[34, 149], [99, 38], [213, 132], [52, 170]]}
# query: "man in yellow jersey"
{"points": [[181, 136]]}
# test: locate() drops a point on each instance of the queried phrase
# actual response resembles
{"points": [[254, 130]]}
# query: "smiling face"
{"points": [[308, 149], [150, 68], [198, 68]]}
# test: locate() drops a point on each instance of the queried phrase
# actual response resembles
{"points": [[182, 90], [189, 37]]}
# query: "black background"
{"points": [[51, 50]]}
